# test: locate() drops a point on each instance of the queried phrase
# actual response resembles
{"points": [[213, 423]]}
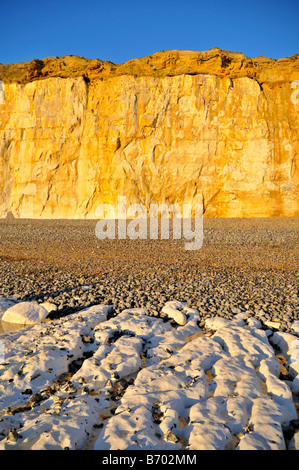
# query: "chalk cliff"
{"points": [[212, 127]]}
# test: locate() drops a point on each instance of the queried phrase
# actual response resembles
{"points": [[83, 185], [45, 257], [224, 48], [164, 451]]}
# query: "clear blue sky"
{"points": [[121, 30]]}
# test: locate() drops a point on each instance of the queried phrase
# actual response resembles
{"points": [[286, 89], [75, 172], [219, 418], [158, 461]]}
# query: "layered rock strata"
{"points": [[215, 128]]}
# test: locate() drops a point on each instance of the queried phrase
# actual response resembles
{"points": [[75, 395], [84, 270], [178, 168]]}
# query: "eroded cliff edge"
{"points": [[178, 126]]}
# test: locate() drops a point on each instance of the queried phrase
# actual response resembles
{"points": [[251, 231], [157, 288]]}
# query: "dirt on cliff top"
{"points": [[165, 63]]}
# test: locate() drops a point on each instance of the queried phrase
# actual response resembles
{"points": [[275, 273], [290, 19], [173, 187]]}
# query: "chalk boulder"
{"points": [[49, 306], [25, 313]]}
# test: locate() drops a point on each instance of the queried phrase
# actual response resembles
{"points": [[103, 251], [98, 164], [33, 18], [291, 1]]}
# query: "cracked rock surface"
{"points": [[100, 380]]}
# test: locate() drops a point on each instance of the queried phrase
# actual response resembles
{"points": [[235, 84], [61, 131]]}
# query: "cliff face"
{"points": [[178, 126]]}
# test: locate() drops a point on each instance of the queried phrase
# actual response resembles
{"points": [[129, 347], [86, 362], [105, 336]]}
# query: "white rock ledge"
{"points": [[142, 382]]}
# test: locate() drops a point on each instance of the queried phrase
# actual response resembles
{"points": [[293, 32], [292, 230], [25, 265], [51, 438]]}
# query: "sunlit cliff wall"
{"points": [[179, 126]]}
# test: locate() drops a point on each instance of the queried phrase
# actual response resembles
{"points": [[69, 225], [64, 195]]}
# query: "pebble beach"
{"points": [[145, 345]]}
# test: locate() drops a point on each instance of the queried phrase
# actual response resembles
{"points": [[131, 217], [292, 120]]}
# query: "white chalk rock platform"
{"points": [[25, 313], [138, 382]]}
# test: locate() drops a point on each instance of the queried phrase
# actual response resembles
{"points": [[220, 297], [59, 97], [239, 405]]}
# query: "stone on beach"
{"points": [[173, 311], [49, 306], [25, 313]]}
